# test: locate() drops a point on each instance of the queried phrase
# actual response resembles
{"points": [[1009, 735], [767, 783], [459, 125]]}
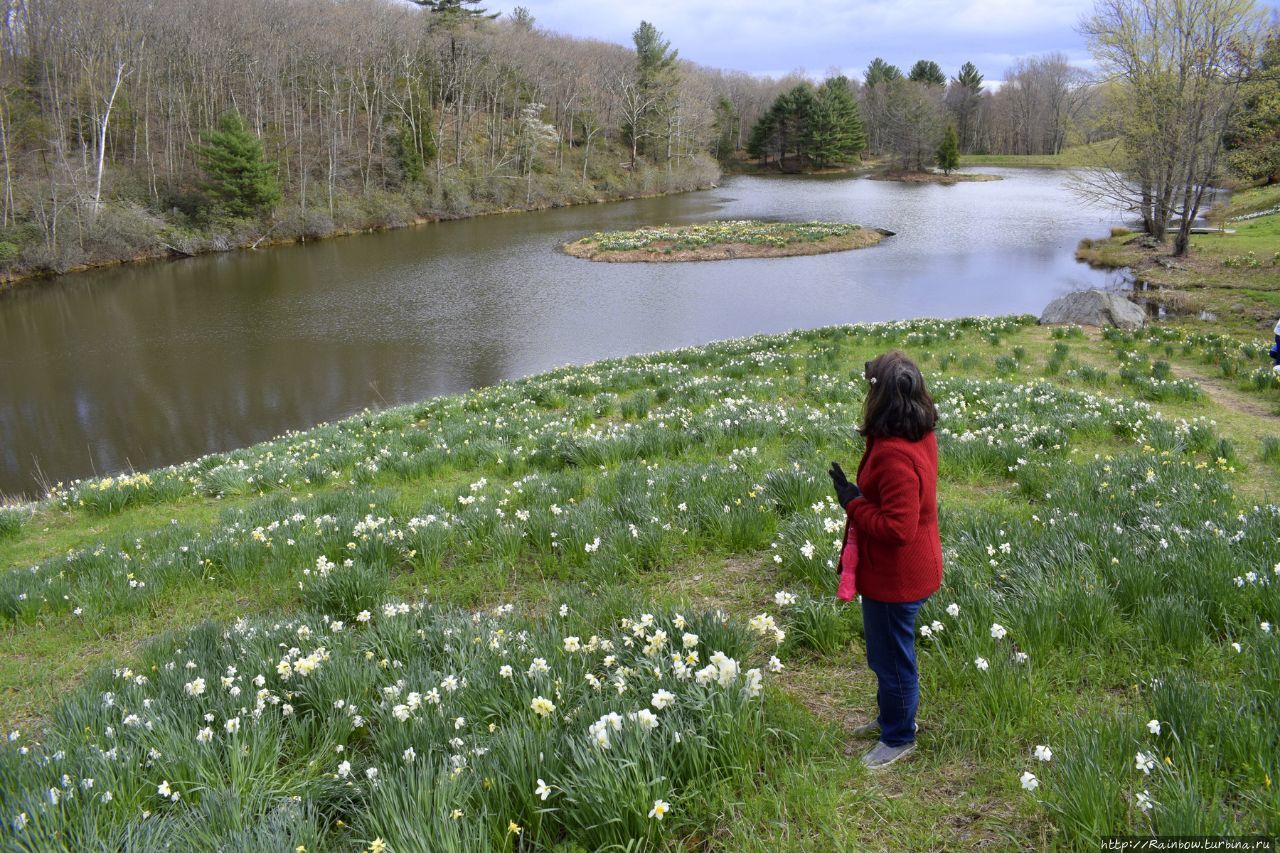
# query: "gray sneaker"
{"points": [[872, 729], [882, 755]]}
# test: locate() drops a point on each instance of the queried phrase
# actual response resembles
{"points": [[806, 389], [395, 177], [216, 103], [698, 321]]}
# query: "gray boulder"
{"points": [[1094, 308]]}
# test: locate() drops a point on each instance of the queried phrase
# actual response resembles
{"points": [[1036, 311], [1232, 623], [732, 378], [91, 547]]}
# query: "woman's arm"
{"points": [[895, 518]]}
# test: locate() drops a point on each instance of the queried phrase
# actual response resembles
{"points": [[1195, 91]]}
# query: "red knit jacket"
{"points": [[896, 520]]}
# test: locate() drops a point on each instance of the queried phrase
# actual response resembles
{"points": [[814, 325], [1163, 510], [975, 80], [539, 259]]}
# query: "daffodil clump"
{"points": [[11, 520], [412, 726], [750, 232]]}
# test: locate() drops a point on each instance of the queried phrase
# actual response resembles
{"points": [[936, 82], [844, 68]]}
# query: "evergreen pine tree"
{"points": [[240, 181], [457, 8], [658, 77], [836, 134], [963, 99], [927, 71], [949, 150], [970, 77], [797, 112], [406, 151], [878, 71], [760, 140]]}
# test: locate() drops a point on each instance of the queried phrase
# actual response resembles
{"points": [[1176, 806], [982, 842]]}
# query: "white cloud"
{"points": [[766, 35], [763, 36]]}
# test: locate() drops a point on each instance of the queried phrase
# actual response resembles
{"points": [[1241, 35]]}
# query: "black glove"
{"points": [[845, 491]]}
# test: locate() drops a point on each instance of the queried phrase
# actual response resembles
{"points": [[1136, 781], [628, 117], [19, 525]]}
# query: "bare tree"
{"points": [[1176, 66]]}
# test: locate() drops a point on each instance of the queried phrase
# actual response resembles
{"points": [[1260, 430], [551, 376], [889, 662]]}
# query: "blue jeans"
{"points": [[890, 631]]}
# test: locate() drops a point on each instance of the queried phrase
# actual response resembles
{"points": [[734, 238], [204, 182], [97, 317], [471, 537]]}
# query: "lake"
{"points": [[145, 365]]}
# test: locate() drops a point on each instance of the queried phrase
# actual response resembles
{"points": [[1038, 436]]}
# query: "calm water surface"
{"points": [[146, 365]]}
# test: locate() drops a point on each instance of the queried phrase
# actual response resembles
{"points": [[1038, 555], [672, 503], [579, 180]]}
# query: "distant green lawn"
{"points": [[1073, 157]]}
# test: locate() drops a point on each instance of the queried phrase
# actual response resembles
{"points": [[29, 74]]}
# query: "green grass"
{"points": [[1254, 199], [1103, 498], [1260, 236], [1072, 157]]}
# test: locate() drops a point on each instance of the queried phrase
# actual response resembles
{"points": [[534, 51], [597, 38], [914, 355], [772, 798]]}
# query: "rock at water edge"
{"points": [[1094, 308]]}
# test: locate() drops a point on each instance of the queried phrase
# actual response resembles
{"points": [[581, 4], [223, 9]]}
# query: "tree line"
{"points": [[1043, 104]]}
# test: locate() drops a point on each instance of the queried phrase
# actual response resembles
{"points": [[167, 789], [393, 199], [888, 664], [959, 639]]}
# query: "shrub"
{"points": [[39, 257], [123, 230]]}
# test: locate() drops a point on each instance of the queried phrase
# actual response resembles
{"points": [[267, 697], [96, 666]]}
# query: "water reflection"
{"points": [[145, 365]]}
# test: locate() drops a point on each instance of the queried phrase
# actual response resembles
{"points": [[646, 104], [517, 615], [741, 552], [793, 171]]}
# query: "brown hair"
{"points": [[898, 404]]}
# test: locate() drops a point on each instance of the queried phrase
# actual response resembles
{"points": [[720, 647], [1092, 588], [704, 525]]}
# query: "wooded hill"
{"points": [[369, 113]]}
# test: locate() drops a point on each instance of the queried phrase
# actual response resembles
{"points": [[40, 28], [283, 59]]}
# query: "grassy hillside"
{"points": [[596, 607]]}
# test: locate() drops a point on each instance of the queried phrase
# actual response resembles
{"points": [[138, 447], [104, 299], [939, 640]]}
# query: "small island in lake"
{"points": [[931, 177], [724, 240]]}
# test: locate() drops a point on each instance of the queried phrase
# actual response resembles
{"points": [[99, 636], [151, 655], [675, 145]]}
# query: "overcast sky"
{"points": [[776, 36]]}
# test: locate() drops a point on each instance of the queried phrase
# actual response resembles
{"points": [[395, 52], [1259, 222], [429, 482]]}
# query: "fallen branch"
{"points": [[255, 243]]}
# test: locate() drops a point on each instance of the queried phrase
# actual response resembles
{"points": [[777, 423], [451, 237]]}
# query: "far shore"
{"points": [[12, 281]]}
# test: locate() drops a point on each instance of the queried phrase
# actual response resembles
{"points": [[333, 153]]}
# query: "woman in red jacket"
{"points": [[893, 509]]}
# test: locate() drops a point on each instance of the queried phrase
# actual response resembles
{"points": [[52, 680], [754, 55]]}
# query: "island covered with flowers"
{"points": [[724, 240]]}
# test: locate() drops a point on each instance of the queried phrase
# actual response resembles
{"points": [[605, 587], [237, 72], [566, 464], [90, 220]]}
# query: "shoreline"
{"points": [[1210, 283], [11, 283]]}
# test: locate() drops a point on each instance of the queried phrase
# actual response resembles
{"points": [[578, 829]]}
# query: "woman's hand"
{"points": [[846, 492]]}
